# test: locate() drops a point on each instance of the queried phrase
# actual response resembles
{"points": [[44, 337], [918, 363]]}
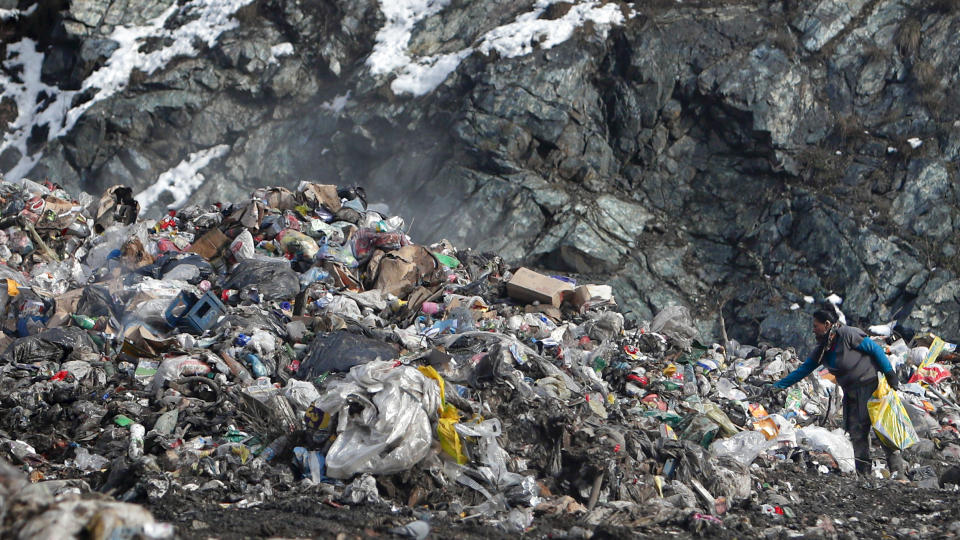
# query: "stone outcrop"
{"points": [[709, 153]]}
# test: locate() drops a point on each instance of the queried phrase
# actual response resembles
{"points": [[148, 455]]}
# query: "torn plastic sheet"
{"points": [[531, 355], [384, 416]]}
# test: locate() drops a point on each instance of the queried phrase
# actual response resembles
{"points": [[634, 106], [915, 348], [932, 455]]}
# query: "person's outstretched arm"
{"points": [[798, 374]]}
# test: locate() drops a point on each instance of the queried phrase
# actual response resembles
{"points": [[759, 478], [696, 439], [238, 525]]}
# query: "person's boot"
{"points": [[864, 468]]}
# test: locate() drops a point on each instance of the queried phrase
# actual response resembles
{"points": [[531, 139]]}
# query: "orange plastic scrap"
{"points": [[757, 410], [768, 427]]}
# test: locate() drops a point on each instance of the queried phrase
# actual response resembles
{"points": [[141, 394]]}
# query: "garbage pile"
{"points": [[301, 342]]}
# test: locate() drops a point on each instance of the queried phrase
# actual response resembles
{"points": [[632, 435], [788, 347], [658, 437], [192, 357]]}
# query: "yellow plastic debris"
{"points": [[449, 416]]}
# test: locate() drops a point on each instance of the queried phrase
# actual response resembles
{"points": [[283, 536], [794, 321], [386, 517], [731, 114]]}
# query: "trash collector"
{"points": [[854, 359]]}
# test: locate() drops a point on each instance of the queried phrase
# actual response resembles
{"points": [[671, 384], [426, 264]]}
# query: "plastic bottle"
{"points": [[256, 366], [689, 381], [275, 448], [236, 368], [464, 318], [83, 321], [137, 432]]}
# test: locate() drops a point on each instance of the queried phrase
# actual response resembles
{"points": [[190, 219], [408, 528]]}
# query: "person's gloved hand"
{"points": [[768, 389], [892, 380]]}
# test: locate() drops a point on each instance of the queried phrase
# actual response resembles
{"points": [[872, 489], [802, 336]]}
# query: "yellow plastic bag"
{"points": [[449, 416], [889, 418], [449, 438]]}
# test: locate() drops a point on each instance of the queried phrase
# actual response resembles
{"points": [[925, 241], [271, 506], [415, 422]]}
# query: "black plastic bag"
{"points": [[170, 261], [53, 345], [96, 301], [274, 280], [340, 351]]}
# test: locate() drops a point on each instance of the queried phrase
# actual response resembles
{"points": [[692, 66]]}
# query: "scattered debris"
{"points": [[301, 341]]}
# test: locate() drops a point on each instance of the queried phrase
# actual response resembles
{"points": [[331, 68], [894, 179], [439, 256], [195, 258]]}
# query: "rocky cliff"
{"points": [[744, 156]]}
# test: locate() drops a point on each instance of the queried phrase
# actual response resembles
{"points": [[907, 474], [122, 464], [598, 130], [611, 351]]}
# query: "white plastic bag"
{"points": [[384, 418], [300, 394], [727, 389], [835, 442], [242, 246], [743, 447]]}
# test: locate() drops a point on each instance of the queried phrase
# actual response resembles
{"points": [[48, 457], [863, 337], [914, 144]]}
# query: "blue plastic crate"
{"points": [[192, 314]]}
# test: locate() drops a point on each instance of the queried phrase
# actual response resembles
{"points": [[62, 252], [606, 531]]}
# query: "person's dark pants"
{"points": [[856, 422]]}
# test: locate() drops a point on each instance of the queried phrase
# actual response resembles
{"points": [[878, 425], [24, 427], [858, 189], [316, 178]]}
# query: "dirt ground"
{"points": [[823, 506]]}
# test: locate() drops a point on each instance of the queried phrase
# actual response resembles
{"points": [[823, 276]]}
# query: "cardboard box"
{"points": [[591, 293], [209, 245], [529, 286], [65, 304], [550, 311]]}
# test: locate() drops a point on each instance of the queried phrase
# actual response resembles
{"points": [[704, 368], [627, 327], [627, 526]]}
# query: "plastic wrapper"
{"points": [[449, 416], [344, 307], [300, 394], [743, 447], [490, 454], [297, 243], [89, 462], [175, 367], [54, 279], [604, 326], [922, 422], [890, 420], [675, 322], [383, 419], [729, 390], [716, 414], [362, 490], [310, 462], [700, 430], [834, 442]]}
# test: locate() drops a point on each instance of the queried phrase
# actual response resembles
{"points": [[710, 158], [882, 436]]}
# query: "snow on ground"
{"points": [[279, 51], [41, 105], [182, 180], [419, 76], [8, 14], [337, 104]]}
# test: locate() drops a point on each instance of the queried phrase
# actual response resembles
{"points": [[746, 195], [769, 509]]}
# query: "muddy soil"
{"points": [[822, 506]]}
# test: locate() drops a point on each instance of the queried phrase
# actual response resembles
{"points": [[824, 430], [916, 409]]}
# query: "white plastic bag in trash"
{"points": [[677, 324], [835, 442], [242, 246], [743, 447], [300, 394], [728, 389], [786, 431], [390, 429]]}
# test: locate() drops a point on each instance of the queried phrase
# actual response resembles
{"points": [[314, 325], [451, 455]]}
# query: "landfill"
{"points": [[299, 353]]}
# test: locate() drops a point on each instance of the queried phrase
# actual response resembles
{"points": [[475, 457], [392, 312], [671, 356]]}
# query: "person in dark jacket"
{"points": [[854, 359]]}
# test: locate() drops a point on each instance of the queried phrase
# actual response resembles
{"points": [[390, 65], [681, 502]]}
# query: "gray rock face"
{"points": [[720, 154]]}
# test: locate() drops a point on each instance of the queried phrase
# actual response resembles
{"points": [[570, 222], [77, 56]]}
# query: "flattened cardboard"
{"points": [[322, 195], [66, 304], [209, 245]]}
